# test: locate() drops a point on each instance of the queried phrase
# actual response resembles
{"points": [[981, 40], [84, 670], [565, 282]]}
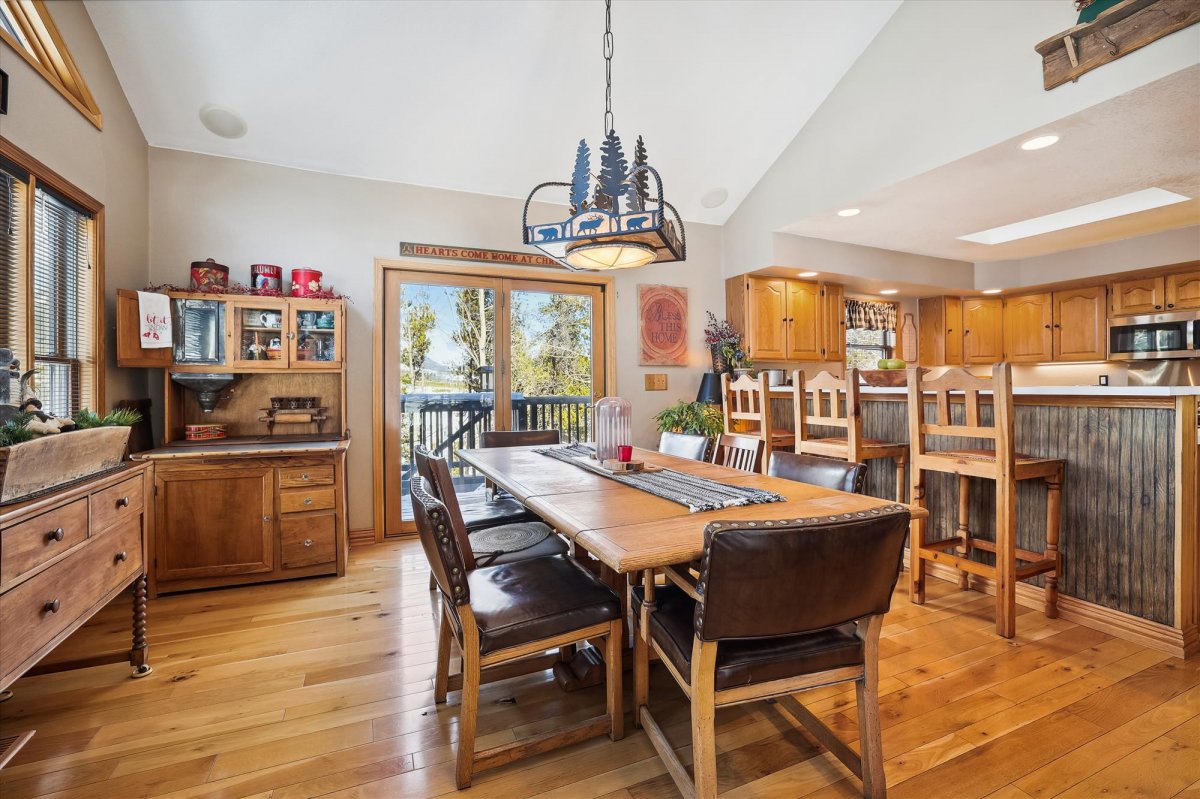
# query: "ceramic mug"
{"points": [[307, 318], [270, 319]]}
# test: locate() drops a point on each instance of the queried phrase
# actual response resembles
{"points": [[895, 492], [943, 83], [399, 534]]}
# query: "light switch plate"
{"points": [[656, 382]]}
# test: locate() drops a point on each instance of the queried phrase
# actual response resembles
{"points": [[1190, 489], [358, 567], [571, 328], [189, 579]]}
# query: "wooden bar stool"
{"points": [[746, 405], [835, 403], [1001, 464]]}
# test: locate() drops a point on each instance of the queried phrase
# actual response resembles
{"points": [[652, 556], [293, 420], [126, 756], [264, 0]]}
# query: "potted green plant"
{"points": [[697, 418]]}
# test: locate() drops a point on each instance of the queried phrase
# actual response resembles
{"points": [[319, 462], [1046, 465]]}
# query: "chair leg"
{"points": [[641, 676], [964, 526], [1053, 526], [916, 540], [704, 712], [432, 582], [469, 706], [1006, 559], [613, 646], [441, 678], [870, 740]]}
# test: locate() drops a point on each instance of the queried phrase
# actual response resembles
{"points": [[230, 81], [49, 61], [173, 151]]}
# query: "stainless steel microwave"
{"points": [[1154, 336]]}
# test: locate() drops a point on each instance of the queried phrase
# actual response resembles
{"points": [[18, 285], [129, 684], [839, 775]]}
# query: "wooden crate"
{"points": [[58, 459]]}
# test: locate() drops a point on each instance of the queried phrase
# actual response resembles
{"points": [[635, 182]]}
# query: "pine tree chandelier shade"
{"points": [[615, 222]]}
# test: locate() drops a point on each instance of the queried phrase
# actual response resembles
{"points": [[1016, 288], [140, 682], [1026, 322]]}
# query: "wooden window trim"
{"points": [[40, 174], [50, 58]]}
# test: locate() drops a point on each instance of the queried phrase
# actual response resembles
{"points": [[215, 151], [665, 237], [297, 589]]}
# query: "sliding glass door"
{"points": [[464, 354]]}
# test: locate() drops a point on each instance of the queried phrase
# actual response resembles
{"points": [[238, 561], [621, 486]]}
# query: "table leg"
{"points": [[139, 655]]}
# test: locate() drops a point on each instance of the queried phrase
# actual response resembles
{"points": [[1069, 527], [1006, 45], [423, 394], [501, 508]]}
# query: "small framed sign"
{"points": [[662, 322]]}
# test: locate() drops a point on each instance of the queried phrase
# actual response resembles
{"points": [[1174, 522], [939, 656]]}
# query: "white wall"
{"points": [[108, 164], [239, 213], [943, 79]]}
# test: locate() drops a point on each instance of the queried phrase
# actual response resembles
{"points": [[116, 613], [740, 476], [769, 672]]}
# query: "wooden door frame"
{"points": [[605, 283]]}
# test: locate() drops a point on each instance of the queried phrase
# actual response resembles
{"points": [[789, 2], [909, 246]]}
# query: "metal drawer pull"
{"points": [[52, 606], [122, 557], [123, 502], [308, 500], [54, 535], [308, 542], [305, 476]]}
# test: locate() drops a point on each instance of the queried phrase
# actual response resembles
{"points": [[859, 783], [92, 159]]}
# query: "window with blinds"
{"points": [[48, 307]]}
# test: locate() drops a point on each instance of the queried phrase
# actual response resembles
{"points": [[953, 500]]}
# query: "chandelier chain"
{"points": [[608, 54]]}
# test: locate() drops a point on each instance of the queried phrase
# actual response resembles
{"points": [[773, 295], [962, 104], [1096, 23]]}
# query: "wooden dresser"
{"points": [[65, 556], [238, 512]]}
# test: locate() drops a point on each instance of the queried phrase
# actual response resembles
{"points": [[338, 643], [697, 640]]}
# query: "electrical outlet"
{"points": [[656, 382]]}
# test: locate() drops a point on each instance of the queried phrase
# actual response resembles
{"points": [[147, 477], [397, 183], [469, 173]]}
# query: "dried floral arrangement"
{"points": [[241, 289]]}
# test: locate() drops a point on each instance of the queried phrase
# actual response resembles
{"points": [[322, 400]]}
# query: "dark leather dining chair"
{"points": [[502, 508], [825, 472], [500, 614], [683, 445], [778, 607]]}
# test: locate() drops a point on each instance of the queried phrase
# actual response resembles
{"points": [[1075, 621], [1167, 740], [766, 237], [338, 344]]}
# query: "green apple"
{"points": [[883, 363], [896, 363]]}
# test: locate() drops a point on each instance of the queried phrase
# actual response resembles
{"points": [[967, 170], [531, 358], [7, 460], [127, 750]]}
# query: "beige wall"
{"points": [[110, 165], [240, 213]]}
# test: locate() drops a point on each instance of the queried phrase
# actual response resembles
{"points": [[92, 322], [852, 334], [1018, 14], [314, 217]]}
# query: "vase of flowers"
{"points": [[723, 342]]}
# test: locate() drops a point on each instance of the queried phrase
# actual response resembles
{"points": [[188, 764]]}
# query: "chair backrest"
{"points": [[834, 403], [440, 485], [957, 382], [683, 445], [825, 472], [738, 452], [768, 579], [746, 405], [520, 438], [439, 531]]}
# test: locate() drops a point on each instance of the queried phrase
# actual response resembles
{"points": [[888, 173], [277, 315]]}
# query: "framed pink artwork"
{"points": [[662, 324]]}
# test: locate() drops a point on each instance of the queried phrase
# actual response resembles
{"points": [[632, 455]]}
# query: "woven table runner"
{"points": [[696, 493]]}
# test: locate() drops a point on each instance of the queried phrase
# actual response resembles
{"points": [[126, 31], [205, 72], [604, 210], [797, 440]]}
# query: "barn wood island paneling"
{"points": [[1130, 564]]}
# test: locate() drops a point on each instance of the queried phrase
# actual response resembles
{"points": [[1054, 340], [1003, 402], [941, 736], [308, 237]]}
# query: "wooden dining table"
{"points": [[629, 530]]}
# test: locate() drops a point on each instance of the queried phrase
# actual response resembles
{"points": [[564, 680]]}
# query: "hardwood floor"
{"points": [[324, 688]]}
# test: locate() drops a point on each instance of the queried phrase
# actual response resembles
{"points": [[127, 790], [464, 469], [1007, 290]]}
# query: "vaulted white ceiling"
{"points": [[488, 97]]}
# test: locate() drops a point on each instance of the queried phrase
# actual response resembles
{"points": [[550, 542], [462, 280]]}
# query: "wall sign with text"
{"points": [[662, 322], [412, 249]]}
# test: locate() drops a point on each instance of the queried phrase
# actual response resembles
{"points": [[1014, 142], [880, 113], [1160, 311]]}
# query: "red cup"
{"points": [[624, 453]]}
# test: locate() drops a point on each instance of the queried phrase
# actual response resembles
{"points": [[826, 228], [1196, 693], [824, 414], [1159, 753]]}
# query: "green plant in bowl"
{"points": [[697, 418]]}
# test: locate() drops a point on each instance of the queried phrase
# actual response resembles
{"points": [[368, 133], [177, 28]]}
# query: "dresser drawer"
{"points": [[116, 503], [34, 612], [31, 543], [307, 540], [294, 500], [305, 476]]}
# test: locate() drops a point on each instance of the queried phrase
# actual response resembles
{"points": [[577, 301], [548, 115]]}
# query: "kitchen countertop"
{"points": [[1052, 391]]}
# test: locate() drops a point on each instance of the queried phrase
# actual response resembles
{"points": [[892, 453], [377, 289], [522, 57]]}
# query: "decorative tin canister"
{"points": [[266, 280], [209, 276], [305, 282]]}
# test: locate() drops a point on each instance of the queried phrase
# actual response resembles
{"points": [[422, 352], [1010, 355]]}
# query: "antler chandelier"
{"points": [[615, 223]]}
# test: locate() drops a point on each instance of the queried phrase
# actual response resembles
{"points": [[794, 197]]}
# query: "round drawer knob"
{"points": [[52, 606], [305, 476], [308, 542], [308, 500], [123, 502], [122, 557], [54, 535]]}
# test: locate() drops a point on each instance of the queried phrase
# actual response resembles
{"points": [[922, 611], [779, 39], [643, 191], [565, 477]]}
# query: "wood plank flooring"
{"points": [[324, 688]]}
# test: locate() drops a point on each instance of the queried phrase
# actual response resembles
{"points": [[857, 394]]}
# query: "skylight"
{"points": [[1123, 205], [27, 27]]}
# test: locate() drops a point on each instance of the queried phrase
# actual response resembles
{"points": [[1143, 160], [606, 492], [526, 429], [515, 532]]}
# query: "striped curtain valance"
{"points": [[868, 315]]}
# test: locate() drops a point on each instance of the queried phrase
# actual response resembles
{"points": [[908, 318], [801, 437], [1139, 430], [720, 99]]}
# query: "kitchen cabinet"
{"points": [[1182, 291], [983, 329], [1029, 328], [787, 320], [1080, 324], [939, 332], [1141, 296]]}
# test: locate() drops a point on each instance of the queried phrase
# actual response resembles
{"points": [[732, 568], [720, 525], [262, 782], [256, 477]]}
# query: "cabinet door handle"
{"points": [[122, 557], [1170, 305], [308, 542], [1058, 327], [1047, 327], [966, 332], [52, 606], [1158, 307], [291, 335], [123, 502], [267, 518], [54, 535]]}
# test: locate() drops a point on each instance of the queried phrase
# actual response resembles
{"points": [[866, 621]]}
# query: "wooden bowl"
{"points": [[887, 378]]}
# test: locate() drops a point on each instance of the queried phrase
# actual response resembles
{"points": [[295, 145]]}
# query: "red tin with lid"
{"points": [[306, 282]]}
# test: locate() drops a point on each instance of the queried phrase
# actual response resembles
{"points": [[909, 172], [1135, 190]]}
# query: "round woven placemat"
{"points": [[508, 538]]}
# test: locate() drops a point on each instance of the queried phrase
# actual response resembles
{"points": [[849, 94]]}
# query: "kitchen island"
{"points": [[1129, 503]]}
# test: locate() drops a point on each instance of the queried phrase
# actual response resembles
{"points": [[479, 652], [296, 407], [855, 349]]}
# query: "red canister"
{"points": [[266, 280], [305, 282], [209, 276]]}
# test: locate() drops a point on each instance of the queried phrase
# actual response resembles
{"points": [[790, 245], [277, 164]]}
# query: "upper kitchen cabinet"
{"points": [[1182, 291], [983, 329], [766, 318], [1140, 296], [1029, 328], [1080, 324], [787, 320], [940, 336]]}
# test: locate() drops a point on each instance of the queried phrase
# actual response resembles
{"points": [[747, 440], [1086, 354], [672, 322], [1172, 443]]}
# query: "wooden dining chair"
{"points": [[511, 612], [746, 406], [520, 438], [834, 403], [738, 452], [825, 472], [683, 445], [778, 607]]}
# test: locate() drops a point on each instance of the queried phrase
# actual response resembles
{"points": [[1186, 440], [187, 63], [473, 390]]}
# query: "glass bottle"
{"points": [[614, 426]]}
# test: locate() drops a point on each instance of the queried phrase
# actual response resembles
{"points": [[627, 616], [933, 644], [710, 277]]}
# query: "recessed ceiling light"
{"points": [[222, 121], [1132, 203], [849, 212], [992, 291], [889, 291], [809, 274], [1039, 142], [714, 197]]}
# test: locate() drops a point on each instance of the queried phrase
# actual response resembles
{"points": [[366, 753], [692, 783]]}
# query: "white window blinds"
{"points": [[14, 334]]}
